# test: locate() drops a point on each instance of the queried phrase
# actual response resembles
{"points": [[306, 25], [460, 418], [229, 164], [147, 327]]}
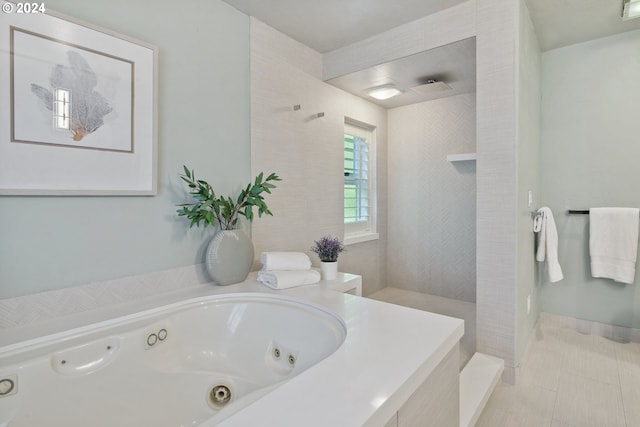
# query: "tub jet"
{"points": [[219, 396]]}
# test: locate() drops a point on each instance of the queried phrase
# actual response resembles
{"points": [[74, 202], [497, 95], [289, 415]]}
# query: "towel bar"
{"points": [[578, 211]]}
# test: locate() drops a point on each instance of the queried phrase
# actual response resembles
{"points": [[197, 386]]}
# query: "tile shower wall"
{"points": [[307, 152], [432, 202], [495, 23], [497, 26]]}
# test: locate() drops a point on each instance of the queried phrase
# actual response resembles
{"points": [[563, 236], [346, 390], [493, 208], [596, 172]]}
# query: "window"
{"points": [[359, 182], [61, 108]]}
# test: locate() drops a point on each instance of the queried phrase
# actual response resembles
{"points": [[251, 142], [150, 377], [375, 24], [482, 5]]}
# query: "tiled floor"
{"points": [[435, 304], [570, 380]]}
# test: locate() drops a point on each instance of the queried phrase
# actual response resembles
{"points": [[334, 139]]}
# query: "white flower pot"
{"points": [[229, 257], [328, 270]]}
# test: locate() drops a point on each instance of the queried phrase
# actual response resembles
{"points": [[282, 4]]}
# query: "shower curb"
{"points": [[478, 379]]}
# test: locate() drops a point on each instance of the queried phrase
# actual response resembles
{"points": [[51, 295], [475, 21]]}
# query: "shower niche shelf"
{"points": [[461, 157]]}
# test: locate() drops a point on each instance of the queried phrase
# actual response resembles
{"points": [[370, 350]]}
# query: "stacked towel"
{"points": [[285, 261], [613, 243], [283, 279], [548, 244], [281, 270]]}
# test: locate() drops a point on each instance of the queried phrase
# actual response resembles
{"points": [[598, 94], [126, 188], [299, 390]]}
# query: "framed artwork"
{"points": [[78, 111]]}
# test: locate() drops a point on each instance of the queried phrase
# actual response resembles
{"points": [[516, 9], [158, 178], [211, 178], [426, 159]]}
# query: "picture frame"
{"points": [[78, 109]]}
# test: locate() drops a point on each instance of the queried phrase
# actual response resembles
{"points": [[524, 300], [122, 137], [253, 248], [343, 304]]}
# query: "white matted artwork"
{"points": [[80, 113]]}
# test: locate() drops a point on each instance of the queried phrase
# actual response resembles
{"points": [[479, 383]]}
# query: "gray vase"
{"points": [[229, 257]]}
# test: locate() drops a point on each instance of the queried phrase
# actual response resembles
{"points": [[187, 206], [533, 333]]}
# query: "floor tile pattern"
{"points": [[569, 379]]}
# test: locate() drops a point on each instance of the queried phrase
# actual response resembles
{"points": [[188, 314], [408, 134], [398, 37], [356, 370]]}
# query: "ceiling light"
{"points": [[630, 9], [384, 92]]}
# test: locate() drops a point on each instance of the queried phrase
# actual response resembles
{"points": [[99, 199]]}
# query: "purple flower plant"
{"points": [[328, 248]]}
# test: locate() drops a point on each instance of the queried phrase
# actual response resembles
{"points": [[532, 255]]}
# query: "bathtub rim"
{"points": [[34, 347]]}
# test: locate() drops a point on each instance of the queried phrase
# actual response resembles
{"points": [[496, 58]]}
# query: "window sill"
{"points": [[359, 238]]}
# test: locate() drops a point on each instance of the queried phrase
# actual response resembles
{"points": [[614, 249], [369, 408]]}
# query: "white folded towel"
{"points": [[548, 245], [285, 261], [283, 279], [613, 243]]}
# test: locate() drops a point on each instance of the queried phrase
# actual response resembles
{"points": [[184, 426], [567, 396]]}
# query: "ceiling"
{"points": [[561, 23], [453, 64], [326, 25]]}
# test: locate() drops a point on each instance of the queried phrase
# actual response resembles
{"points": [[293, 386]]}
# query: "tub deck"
{"points": [[388, 353]]}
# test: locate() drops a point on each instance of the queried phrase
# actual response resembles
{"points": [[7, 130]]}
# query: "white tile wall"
{"points": [[432, 202], [495, 23], [284, 48], [496, 180], [307, 153]]}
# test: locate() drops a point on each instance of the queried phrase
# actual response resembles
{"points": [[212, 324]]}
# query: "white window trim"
{"points": [[352, 239], [360, 236]]}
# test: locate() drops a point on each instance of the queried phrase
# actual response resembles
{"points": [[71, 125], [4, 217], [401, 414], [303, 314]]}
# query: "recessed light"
{"points": [[384, 92], [630, 9]]}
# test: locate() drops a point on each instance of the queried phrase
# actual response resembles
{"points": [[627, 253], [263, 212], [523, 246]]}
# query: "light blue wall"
{"points": [[204, 121], [590, 146]]}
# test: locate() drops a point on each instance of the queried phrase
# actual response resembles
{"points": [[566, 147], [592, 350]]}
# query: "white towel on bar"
{"points": [[283, 279], [548, 245], [613, 243], [285, 261]]}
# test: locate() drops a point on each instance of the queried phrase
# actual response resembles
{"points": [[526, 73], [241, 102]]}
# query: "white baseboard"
{"points": [[612, 332]]}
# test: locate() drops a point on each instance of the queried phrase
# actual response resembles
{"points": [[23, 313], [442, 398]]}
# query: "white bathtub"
{"points": [[161, 367]]}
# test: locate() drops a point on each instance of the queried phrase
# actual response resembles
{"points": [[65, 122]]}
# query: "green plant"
{"points": [[211, 209]]}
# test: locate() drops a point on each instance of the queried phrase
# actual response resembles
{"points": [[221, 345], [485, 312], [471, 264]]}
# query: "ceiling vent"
{"points": [[431, 86]]}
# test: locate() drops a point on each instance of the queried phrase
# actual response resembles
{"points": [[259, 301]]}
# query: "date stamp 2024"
{"points": [[23, 8]]}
